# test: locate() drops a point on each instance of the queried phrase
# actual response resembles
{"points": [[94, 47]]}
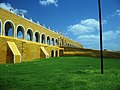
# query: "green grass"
{"points": [[64, 73]]}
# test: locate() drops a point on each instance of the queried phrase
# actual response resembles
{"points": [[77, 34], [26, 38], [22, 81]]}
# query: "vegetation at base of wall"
{"points": [[64, 73], [90, 53], [106, 54]]}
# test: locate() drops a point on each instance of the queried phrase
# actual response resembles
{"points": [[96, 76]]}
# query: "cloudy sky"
{"points": [[78, 19]]}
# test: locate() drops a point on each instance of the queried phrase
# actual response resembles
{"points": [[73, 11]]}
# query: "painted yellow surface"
{"points": [[14, 48], [15, 51], [26, 23], [76, 52], [29, 50], [45, 52]]}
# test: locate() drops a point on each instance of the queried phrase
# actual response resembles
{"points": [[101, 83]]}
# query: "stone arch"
{"points": [[53, 41], [0, 27], [52, 53], [56, 53], [9, 28], [56, 42], [48, 40], [20, 32], [43, 38], [37, 36], [29, 34]]}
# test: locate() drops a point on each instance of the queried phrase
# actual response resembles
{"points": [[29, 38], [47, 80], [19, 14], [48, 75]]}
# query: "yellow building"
{"points": [[23, 40]]}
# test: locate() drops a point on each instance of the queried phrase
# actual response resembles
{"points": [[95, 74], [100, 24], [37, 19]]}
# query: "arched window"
{"points": [[20, 32], [52, 53], [43, 38], [9, 29], [0, 28], [53, 42], [56, 41], [37, 37], [68, 44], [29, 35], [48, 40], [56, 54]]}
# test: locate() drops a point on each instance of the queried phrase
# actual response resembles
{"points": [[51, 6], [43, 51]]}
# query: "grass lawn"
{"points": [[64, 73]]}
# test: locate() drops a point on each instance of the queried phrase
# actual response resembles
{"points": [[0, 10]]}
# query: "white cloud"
{"points": [[108, 35], [117, 12], [89, 41], [111, 35], [85, 26], [8, 7], [109, 39], [48, 2]]}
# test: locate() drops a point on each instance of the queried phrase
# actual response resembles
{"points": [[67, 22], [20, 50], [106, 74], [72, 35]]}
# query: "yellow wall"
{"points": [[29, 50], [18, 20]]}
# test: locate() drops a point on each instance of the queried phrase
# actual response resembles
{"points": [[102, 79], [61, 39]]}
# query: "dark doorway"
{"points": [[52, 53], [9, 56], [56, 54]]}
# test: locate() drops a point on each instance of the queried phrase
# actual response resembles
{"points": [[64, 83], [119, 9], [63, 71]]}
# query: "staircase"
{"points": [[15, 51], [45, 52]]}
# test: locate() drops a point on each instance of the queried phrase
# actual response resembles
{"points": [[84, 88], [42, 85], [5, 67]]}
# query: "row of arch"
{"points": [[19, 32], [54, 53], [9, 30]]}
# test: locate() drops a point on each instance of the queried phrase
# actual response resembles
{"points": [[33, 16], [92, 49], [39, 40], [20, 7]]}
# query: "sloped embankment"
{"points": [[70, 51]]}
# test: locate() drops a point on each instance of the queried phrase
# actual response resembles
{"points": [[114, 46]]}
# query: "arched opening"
{"points": [[68, 44], [52, 53], [56, 41], [37, 37], [29, 35], [20, 32], [9, 29], [53, 42], [48, 40], [43, 38], [56, 53]]}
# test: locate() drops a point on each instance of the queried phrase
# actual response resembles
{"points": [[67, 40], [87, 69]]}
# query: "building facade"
{"points": [[23, 40]]}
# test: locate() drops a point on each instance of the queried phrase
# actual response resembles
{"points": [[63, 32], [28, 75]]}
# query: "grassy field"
{"points": [[64, 73]]}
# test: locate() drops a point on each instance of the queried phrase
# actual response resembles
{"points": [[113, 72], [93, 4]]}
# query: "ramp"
{"points": [[15, 51], [45, 52]]}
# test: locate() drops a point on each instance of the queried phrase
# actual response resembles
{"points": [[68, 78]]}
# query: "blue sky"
{"points": [[78, 19]]}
